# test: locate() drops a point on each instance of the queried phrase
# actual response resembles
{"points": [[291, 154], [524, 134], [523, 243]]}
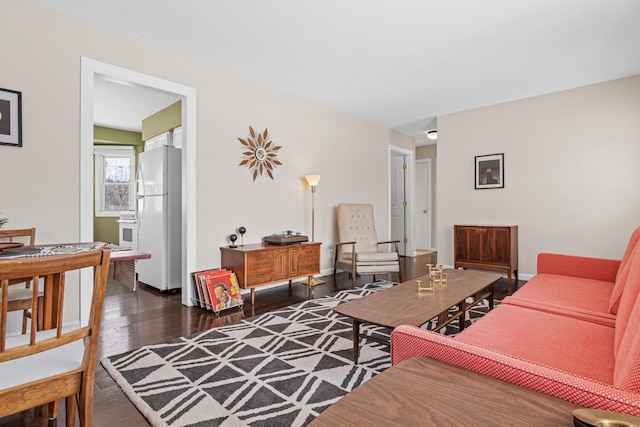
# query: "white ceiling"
{"points": [[397, 63], [121, 105]]}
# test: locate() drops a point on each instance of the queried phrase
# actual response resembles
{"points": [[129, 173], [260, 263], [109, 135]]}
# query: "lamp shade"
{"points": [[432, 134], [313, 180]]}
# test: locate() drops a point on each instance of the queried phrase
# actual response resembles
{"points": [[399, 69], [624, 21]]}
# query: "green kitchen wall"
{"points": [[162, 121], [105, 229]]}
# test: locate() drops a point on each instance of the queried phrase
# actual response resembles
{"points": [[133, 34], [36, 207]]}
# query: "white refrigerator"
{"points": [[160, 217]]}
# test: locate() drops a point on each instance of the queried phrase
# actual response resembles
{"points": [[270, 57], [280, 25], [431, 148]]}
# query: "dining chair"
{"points": [[41, 367], [359, 251], [20, 297]]}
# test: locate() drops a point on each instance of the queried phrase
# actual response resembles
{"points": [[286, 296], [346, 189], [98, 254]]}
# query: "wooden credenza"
{"points": [[261, 264], [487, 247]]}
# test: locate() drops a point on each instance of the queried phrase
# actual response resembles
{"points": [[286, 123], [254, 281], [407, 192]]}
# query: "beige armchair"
{"points": [[359, 251]]}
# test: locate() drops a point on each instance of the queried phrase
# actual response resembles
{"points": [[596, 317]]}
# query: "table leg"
{"points": [[356, 340], [442, 318], [491, 295], [253, 296], [462, 307], [125, 272]]}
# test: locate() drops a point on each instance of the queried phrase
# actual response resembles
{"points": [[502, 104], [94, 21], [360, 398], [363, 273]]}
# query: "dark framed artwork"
{"points": [[490, 171], [10, 117]]}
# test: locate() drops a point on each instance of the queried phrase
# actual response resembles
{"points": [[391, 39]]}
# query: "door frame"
{"points": [[409, 193], [89, 69]]}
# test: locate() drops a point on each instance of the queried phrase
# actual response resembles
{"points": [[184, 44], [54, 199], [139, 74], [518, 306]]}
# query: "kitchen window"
{"points": [[114, 180]]}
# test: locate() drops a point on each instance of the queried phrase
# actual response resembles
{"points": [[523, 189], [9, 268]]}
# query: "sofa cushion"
{"points": [[587, 295], [411, 341], [571, 345], [376, 256], [606, 319], [623, 271]]}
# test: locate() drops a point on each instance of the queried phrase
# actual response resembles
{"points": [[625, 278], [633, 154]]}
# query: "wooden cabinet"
{"points": [[486, 247], [261, 264]]}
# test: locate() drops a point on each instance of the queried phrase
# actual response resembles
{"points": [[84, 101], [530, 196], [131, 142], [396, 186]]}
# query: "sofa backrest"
{"points": [[626, 374], [623, 271]]}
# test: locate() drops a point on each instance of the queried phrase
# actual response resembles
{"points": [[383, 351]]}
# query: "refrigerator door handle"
{"points": [[140, 181]]}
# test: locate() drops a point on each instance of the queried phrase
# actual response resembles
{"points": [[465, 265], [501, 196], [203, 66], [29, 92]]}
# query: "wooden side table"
{"points": [[422, 391], [262, 264], [124, 266]]}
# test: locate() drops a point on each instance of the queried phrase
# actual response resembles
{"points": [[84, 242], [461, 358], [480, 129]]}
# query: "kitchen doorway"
{"points": [[89, 70]]}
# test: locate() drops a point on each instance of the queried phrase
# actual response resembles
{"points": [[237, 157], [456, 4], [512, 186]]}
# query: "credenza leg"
{"points": [[253, 296]]}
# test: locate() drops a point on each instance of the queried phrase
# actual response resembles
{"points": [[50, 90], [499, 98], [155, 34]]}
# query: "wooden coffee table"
{"points": [[403, 304], [421, 391]]}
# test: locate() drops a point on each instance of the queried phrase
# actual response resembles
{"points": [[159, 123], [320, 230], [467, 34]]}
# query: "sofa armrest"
{"points": [[576, 266], [410, 341]]}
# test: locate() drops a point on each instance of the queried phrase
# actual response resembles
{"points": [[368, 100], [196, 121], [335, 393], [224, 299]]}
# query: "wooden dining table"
{"points": [[124, 270]]}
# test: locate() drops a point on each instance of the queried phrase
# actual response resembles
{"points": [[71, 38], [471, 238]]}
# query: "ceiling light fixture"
{"points": [[432, 134]]}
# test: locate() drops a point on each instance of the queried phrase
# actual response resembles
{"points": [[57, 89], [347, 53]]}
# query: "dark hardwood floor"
{"points": [[133, 319]]}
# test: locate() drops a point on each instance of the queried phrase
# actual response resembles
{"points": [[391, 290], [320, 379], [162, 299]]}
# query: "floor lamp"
{"points": [[313, 181]]}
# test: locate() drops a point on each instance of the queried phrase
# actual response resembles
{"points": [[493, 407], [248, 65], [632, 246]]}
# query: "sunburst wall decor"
{"points": [[260, 155]]}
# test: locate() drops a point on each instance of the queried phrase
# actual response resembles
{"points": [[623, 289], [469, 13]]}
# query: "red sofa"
{"points": [[572, 331]]}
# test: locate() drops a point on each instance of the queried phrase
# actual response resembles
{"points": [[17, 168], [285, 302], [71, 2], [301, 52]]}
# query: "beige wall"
{"points": [[315, 139], [572, 171]]}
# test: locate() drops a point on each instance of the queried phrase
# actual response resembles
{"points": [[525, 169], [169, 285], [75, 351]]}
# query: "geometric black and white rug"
{"points": [[282, 368]]}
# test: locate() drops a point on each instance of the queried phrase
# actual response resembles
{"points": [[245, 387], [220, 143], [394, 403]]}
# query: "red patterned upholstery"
{"points": [[606, 319], [621, 277], [576, 266], [548, 339], [573, 293], [556, 335], [409, 341]]}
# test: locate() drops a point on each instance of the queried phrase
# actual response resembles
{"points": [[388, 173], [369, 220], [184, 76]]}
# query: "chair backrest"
{"points": [[10, 236], [47, 346], [356, 224]]}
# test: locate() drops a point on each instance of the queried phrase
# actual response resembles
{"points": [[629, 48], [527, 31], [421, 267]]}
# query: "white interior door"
{"points": [[423, 205], [398, 199]]}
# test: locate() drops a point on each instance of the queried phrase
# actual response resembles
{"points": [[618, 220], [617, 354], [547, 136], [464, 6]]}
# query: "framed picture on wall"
{"points": [[490, 171], [10, 117]]}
